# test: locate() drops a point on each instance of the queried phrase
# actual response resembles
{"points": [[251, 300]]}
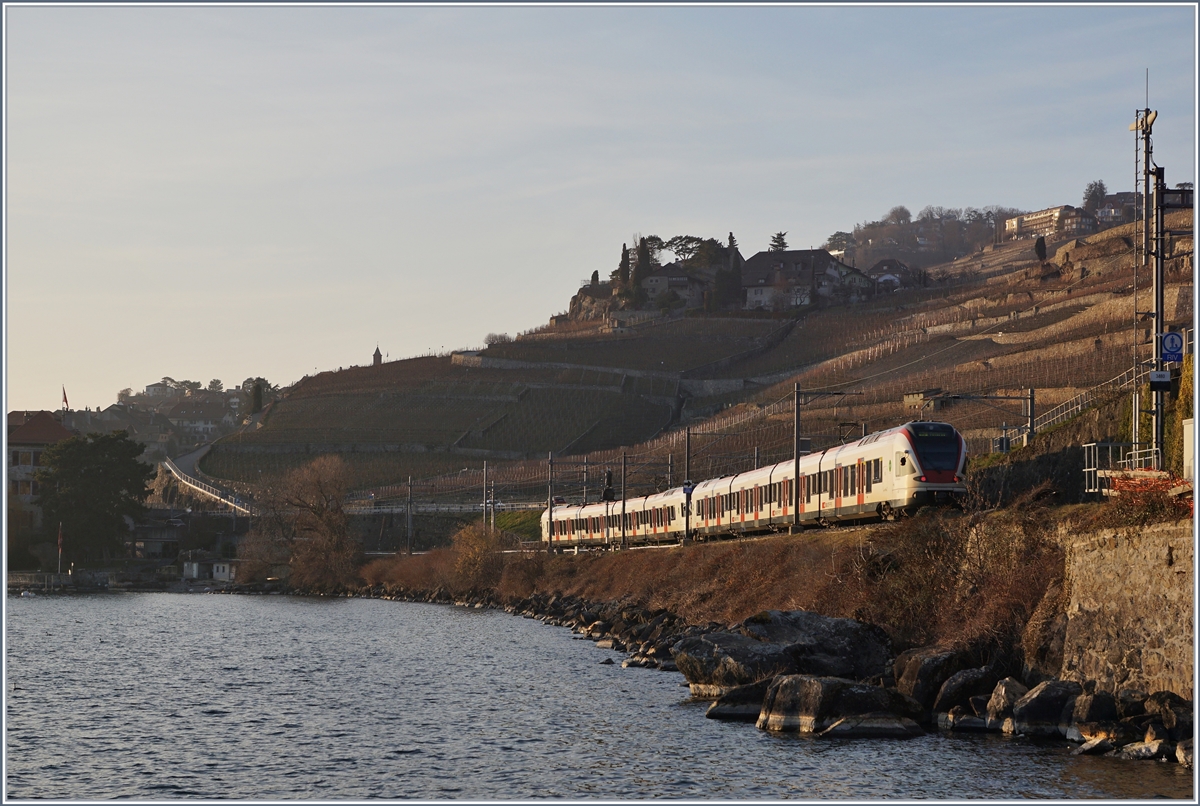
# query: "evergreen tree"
{"points": [[595, 280], [778, 242], [1039, 247], [732, 242], [642, 266], [623, 266]]}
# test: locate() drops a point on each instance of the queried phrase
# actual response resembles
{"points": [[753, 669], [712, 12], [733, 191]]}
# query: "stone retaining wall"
{"points": [[1129, 609]]}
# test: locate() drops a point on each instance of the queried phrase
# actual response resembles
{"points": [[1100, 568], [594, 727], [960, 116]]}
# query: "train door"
{"points": [[837, 473], [860, 472]]}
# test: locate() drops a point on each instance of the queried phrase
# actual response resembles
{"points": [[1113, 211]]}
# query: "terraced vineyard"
{"points": [[1001, 323]]}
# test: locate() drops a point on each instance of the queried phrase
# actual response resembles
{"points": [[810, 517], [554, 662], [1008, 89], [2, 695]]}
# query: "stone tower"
{"points": [[378, 356]]}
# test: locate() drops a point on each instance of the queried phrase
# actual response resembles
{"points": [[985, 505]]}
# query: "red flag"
{"points": [[65, 404]]}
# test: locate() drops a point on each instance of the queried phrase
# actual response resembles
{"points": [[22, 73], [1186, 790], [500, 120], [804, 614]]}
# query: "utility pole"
{"points": [[670, 471], [492, 500], [550, 500], [687, 452], [1160, 187], [796, 463], [408, 516], [485, 494], [624, 540], [585, 480]]}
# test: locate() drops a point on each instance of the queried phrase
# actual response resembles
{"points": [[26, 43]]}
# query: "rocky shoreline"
{"points": [[801, 672]]}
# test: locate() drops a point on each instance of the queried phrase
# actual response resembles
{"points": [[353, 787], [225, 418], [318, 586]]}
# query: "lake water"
{"points": [[162, 696]]}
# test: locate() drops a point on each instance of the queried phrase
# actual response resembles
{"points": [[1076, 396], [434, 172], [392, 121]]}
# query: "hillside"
{"points": [[998, 322]]}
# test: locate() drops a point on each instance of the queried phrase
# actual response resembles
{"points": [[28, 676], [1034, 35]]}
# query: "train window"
{"points": [[877, 470], [854, 480], [867, 476]]}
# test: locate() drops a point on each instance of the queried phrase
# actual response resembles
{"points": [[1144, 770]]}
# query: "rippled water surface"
{"points": [[171, 696]]}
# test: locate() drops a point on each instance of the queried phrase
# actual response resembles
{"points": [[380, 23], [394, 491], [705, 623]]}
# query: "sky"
{"points": [[238, 191]]}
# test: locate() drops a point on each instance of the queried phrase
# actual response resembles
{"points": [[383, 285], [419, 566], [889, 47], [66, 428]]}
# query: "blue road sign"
{"points": [[1172, 347]]}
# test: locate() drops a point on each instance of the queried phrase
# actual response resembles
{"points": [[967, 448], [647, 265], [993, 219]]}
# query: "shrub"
{"points": [[478, 562]]}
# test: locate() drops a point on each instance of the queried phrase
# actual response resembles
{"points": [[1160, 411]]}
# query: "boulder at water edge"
{"points": [[777, 642], [1041, 711], [807, 704], [1183, 753], [831, 647], [1100, 706], [740, 704], [1004, 697], [960, 687], [1175, 712], [717, 662], [921, 672], [1131, 702], [1142, 751]]}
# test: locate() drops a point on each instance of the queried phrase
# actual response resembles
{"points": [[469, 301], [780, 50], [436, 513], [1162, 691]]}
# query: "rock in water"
{"points": [[1139, 751], [1093, 747], [740, 704], [808, 704], [878, 725], [1040, 712], [1183, 753], [1004, 697]]}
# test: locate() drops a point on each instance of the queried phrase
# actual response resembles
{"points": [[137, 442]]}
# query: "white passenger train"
{"points": [[876, 477]]}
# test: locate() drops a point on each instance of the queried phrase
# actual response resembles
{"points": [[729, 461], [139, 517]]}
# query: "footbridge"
{"points": [[358, 506]]}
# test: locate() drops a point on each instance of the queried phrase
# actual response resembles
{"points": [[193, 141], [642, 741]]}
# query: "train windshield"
{"points": [[936, 444]]}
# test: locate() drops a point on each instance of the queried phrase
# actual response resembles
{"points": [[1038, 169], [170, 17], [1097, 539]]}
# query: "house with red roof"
{"points": [[29, 434]]}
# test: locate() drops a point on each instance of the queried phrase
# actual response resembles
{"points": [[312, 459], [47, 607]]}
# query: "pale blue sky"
{"points": [[220, 192]]}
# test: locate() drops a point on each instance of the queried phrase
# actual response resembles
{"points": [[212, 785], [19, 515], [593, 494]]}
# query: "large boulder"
{"points": [[1131, 702], [807, 704], [960, 687], [858, 650], [1042, 710], [717, 662], [920, 673], [776, 642], [1100, 706], [1175, 712], [740, 704], [1004, 697]]}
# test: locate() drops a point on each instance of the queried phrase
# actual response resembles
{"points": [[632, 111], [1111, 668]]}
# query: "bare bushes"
{"points": [[475, 562], [428, 571], [478, 562], [972, 582]]}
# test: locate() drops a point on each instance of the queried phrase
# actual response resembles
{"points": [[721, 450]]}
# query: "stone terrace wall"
{"points": [[1130, 609]]}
